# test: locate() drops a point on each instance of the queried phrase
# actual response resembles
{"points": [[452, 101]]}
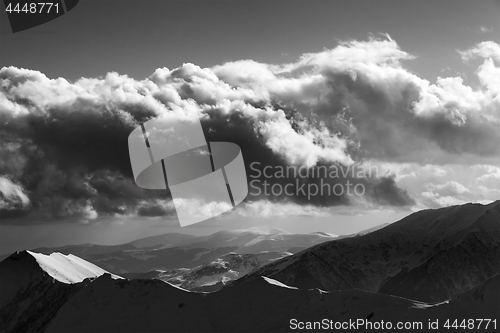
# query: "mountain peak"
{"points": [[68, 268]]}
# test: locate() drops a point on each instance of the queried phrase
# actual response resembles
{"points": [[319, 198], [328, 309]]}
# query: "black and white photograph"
{"points": [[249, 166]]}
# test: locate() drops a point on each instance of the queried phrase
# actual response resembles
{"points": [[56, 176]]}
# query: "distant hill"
{"points": [[173, 250], [161, 241], [220, 271]]}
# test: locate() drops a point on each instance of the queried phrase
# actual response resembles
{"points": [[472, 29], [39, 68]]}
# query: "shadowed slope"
{"points": [[431, 255]]}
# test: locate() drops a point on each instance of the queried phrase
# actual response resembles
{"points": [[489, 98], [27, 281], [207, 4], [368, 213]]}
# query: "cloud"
{"points": [[484, 29], [301, 147], [433, 186], [12, 195], [388, 193], [193, 208], [63, 145], [156, 207], [265, 208], [362, 90]]}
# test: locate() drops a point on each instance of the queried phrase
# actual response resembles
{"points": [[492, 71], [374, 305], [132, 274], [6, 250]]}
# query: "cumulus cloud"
{"points": [[485, 50], [433, 186], [193, 208], [63, 149], [264, 208]]}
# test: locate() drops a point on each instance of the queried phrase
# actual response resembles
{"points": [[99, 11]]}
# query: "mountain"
{"points": [[257, 239], [33, 286], [81, 250], [261, 305], [86, 249], [145, 260], [106, 304], [218, 272], [431, 255], [432, 266], [161, 241], [369, 230], [175, 251], [246, 250]]}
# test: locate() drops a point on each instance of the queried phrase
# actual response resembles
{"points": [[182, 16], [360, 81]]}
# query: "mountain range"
{"points": [[433, 265], [174, 250]]}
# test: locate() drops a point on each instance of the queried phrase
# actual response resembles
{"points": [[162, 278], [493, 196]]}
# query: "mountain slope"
{"points": [[161, 241], [221, 270], [33, 286], [109, 305], [431, 255], [118, 305]]}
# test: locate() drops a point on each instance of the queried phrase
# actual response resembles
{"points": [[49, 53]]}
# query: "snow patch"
{"points": [[177, 287], [423, 305], [277, 283]]}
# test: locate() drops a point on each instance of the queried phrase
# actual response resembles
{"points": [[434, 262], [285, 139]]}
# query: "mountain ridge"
{"points": [[373, 261], [139, 305]]}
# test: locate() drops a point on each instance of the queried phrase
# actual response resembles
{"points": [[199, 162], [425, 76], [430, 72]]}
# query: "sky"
{"points": [[409, 88], [137, 37]]}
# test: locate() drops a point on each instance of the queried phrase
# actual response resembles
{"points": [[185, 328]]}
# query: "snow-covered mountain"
{"points": [[105, 304], [431, 255], [33, 286]]}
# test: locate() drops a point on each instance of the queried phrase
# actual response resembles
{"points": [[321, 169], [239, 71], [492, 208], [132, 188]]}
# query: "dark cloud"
{"points": [[72, 160], [257, 156], [154, 210], [386, 192]]}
